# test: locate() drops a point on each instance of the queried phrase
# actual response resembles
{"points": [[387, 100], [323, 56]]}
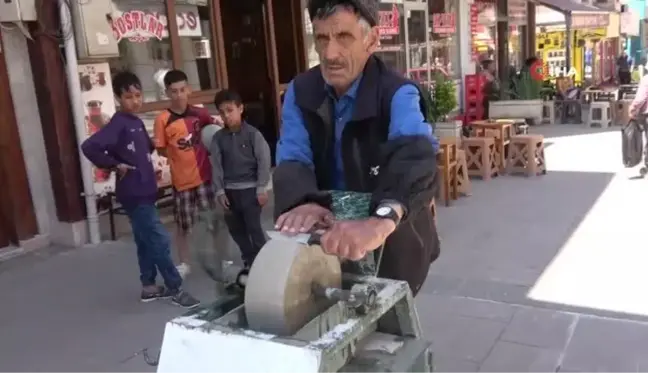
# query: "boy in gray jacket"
{"points": [[241, 161]]}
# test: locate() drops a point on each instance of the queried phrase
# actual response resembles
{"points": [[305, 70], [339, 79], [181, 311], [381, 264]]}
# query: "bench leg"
{"points": [[111, 217]]}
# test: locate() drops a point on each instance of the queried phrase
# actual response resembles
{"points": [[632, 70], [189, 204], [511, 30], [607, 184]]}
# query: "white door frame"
{"points": [[417, 6]]}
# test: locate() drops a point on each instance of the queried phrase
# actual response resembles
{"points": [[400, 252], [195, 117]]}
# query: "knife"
{"points": [[304, 238]]}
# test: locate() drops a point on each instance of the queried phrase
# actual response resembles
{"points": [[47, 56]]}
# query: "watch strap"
{"points": [[391, 214]]}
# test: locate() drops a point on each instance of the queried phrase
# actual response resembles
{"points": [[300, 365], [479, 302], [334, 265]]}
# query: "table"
{"points": [[504, 128], [607, 95], [447, 164]]}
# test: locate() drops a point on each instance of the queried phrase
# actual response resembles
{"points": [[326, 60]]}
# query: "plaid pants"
{"points": [[187, 204]]}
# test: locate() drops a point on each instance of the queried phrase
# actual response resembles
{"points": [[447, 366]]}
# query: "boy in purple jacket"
{"points": [[125, 147]]}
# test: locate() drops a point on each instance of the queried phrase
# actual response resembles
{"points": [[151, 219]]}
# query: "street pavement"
{"points": [[536, 274]]}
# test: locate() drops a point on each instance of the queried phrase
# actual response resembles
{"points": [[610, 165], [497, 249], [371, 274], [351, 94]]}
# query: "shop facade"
{"points": [[253, 47]]}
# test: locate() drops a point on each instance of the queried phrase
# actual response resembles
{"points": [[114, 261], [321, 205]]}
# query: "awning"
{"points": [[582, 15], [571, 7]]}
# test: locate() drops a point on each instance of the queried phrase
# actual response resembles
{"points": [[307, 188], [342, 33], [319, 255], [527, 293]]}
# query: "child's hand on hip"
{"points": [[122, 169]]}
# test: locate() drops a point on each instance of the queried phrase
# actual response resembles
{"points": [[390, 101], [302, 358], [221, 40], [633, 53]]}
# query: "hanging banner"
{"points": [[444, 23], [389, 22], [474, 25], [138, 23]]}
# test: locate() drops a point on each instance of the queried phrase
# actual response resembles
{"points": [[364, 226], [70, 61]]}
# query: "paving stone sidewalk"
{"points": [[537, 274]]}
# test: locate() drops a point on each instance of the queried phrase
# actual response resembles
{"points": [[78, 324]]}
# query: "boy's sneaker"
{"points": [[182, 298], [149, 296], [183, 269]]}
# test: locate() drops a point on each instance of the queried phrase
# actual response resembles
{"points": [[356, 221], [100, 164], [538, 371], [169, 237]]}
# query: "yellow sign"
{"points": [[552, 46], [589, 34]]}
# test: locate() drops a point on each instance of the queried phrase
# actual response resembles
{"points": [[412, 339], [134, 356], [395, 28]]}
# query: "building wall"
{"points": [[635, 44], [33, 145]]}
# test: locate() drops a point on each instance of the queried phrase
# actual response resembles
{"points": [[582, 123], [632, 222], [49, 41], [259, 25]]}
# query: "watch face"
{"points": [[383, 211]]}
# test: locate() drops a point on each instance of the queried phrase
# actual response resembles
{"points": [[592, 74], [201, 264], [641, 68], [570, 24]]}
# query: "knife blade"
{"points": [[304, 238]]}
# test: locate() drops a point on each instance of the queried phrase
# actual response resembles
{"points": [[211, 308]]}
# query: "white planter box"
{"points": [[528, 109], [448, 129]]}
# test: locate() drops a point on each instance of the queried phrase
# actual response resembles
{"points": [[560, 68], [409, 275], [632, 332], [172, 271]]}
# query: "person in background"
{"points": [[177, 137], [241, 163], [125, 147], [623, 68], [563, 86], [639, 110], [491, 90]]}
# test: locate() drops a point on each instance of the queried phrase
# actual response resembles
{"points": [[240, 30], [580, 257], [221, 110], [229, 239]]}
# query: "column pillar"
{"points": [[466, 63], [17, 215], [531, 30], [57, 123], [501, 10]]}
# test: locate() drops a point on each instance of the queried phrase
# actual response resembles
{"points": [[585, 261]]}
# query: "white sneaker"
{"points": [[183, 269]]}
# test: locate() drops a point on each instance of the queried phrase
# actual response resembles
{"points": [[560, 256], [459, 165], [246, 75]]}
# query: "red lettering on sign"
{"points": [[138, 26], [388, 21], [153, 22], [192, 20]]}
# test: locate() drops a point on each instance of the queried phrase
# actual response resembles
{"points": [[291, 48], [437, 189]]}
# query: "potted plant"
{"points": [[441, 101], [524, 100]]}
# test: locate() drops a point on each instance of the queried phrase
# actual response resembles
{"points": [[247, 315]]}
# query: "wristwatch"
{"points": [[386, 212]]}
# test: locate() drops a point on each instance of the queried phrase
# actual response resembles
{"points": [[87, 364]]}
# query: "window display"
{"points": [[443, 37], [147, 47]]}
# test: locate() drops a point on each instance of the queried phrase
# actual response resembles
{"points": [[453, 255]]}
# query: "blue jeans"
{"points": [[153, 242]]}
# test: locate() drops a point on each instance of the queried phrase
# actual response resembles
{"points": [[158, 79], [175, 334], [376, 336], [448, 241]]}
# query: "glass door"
{"points": [[417, 38]]}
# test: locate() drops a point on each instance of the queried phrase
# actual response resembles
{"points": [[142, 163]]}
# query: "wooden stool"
{"points": [[481, 157], [463, 181], [548, 112], [447, 165], [599, 114], [526, 155]]}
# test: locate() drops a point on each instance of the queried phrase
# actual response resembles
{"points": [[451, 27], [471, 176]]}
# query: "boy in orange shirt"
{"points": [[177, 137]]}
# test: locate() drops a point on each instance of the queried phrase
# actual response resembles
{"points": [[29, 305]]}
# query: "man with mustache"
{"points": [[353, 124]]}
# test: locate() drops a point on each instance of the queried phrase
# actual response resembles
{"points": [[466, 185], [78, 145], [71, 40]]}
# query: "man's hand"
{"points": [[303, 218], [262, 198], [352, 239], [222, 199], [122, 169]]}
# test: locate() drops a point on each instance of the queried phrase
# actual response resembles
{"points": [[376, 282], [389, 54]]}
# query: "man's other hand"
{"points": [[303, 218], [262, 198], [222, 199], [353, 239]]}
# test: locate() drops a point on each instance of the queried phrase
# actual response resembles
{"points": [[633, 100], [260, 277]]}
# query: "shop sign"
{"points": [[474, 25], [517, 12], [556, 71], [630, 23], [389, 21], [597, 33], [444, 23], [590, 20], [141, 26]]}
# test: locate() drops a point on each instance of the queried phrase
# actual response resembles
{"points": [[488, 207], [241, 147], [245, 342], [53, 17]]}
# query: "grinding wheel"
{"points": [[278, 293]]}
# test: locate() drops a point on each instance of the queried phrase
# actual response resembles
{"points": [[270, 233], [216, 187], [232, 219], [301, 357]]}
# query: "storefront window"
{"points": [[392, 36], [443, 37], [146, 45]]}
